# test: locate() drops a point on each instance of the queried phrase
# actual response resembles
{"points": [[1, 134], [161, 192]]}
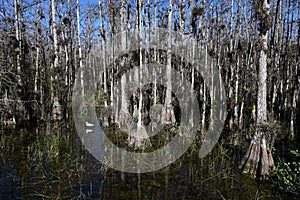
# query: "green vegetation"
{"points": [[47, 164], [287, 172]]}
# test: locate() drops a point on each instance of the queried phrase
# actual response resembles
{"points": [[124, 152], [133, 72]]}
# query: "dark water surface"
{"points": [[50, 163]]}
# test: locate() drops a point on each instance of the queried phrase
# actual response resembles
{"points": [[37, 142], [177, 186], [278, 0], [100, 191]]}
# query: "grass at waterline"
{"points": [[38, 164]]}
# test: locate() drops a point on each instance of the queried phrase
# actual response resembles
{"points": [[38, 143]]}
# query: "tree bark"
{"points": [[124, 112], [139, 137], [79, 46], [17, 7], [103, 54], [168, 115], [258, 160], [55, 44]]}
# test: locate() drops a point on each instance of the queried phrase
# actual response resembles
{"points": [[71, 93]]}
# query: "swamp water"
{"points": [[44, 163]]}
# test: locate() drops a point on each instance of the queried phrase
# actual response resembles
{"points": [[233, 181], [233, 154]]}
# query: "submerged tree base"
{"points": [[139, 138], [258, 160]]}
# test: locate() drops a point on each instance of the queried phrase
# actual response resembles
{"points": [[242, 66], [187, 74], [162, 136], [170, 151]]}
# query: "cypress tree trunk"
{"points": [[138, 137], [124, 113], [258, 160], [168, 115], [79, 46], [17, 7], [55, 44]]}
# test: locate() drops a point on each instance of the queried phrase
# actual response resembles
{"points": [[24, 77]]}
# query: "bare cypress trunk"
{"points": [[103, 54], [155, 54], [136, 71], [67, 37], [141, 3], [37, 84], [168, 115], [139, 137], [36, 69], [258, 160], [293, 109], [182, 17], [124, 112], [203, 85], [203, 90], [79, 46], [17, 7], [141, 133], [296, 86], [231, 79], [55, 44], [38, 29], [275, 43], [293, 87]]}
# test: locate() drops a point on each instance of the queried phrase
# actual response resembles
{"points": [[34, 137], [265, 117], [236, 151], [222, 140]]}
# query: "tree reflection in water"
{"points": [[34, 164]]}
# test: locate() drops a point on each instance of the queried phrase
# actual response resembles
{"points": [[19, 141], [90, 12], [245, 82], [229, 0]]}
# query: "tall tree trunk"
{"points": [[275, 43], [168, 115], [139, 137], [17, 7], [55, 45], [124, 113], [79, 46], [103, 54], [258, 160], [37, 59]]}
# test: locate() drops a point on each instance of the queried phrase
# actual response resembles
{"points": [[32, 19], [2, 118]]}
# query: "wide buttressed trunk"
{"points": [[258, 160]]}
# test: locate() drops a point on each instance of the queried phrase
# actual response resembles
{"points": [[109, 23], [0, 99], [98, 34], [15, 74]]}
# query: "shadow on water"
{"points": [[50, 163]]}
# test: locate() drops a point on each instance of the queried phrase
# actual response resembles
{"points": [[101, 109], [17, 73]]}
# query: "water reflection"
{"points": [[50, 163]]}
